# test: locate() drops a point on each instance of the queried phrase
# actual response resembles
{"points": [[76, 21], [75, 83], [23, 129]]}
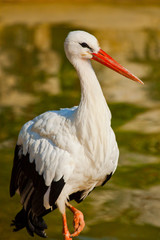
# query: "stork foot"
{"points": [[78, 222]]}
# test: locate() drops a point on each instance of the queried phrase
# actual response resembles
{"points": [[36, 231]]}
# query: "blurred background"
{"points": [[35, 76]]}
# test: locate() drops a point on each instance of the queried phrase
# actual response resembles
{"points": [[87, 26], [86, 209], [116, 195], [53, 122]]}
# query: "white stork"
{"points": [[63, 155]]}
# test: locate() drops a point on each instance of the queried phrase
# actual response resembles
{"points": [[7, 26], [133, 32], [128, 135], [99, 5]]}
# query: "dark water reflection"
{"points": [[35, 77]]}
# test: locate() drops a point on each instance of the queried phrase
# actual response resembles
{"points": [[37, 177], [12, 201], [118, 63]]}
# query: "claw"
{"points": [[79, 223], [78, 220]]}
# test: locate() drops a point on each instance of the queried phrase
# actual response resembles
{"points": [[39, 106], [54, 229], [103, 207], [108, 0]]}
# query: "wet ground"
{"points": [[35, 76]]}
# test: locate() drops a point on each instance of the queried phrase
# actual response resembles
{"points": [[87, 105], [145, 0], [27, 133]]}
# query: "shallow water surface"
{"points": [[35, 76]]}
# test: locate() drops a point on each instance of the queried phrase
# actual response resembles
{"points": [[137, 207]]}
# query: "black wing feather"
{"points": [[107, 178], [31, 185], [32, 189], [56, 188]]}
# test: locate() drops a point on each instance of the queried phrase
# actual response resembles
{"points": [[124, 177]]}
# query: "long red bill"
{"points": [[106, 60]]}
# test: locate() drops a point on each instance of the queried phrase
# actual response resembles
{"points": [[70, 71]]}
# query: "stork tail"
{"points": [[32, 223]]}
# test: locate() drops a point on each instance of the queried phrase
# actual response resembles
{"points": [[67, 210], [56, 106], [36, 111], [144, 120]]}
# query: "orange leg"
{"points": [[66, 233], [78, 220]]}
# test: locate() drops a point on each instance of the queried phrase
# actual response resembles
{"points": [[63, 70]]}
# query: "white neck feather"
{"points": [[92, 118], [92, 98]]}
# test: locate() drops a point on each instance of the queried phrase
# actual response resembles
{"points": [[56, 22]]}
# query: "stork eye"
{"points": [[85, 45]]}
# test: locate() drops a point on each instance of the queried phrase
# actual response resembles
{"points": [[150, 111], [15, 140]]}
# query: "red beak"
{"points": [[106, 60]]}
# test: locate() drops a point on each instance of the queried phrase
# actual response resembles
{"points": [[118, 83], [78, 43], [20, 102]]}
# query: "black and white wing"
{"points": [[42, 162]]}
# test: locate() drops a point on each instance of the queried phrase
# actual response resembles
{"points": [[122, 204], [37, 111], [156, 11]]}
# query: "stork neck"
{"points": [[93, 116], [91, 92]]}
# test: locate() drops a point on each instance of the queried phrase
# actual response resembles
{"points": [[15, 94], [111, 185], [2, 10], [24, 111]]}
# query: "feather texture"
{"points": [[63, 155], [46, 138], [31, 185]]}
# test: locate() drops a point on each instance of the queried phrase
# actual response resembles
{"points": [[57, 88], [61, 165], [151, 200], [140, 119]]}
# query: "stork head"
{"points": [[83, 45], [80, 44]]}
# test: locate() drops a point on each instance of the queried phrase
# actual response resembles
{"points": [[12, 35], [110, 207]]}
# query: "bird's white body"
{"points": [[62, 155], [77, 143]]}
